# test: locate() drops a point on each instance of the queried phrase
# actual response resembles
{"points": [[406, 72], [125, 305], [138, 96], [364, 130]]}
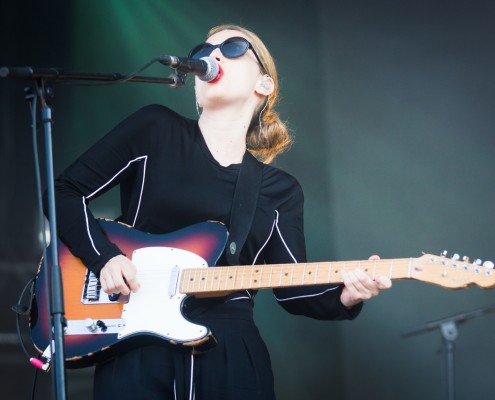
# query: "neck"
{"points": [[225, 135]]}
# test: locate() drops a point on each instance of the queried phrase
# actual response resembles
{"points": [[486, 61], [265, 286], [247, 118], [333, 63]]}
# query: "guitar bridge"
{"points": [[92, 293]]}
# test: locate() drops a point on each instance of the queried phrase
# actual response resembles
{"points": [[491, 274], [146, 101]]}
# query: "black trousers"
{"points": [[237, 368]]}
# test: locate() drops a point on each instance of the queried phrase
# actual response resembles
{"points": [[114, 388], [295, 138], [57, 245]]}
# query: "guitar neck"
{"points": [[233, 278]]}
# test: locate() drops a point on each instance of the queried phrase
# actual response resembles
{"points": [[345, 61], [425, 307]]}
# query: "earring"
{"points": [[263, 83]]}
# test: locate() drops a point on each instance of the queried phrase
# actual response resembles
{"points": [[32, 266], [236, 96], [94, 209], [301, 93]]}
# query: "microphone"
{"points": [[206, 69]]}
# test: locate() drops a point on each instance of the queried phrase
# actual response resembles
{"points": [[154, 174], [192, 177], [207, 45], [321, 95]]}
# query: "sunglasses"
{"points": [[233, 47]]}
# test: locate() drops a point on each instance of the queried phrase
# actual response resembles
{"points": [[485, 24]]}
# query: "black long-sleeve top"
{"points": [[168, 180]]}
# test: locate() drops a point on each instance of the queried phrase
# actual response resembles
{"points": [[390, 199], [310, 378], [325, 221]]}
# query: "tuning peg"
{"points": [[488, 264], [477, 261], [444, 253], [465, 259], [456, 257]]}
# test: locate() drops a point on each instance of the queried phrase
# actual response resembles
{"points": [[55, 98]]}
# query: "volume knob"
{"points": [[90, 325]]}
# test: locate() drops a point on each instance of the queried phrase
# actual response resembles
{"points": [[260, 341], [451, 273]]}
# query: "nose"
{"points": [[217, 54]]}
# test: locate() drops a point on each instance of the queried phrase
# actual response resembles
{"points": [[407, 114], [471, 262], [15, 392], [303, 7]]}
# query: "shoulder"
{"points": [[153, 123], [280, 184], [157, 113]]}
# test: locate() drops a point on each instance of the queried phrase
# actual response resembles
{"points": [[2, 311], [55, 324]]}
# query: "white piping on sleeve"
{"points": [[267, 239], [117, 174], [141, 193], [308, 295], [283, 241], [294, 259], [87, 226], [85, 198], [191, 389], [240, 297]]}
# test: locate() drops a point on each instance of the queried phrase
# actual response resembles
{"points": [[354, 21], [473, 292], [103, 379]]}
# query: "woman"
{"points": [[174, 172]]}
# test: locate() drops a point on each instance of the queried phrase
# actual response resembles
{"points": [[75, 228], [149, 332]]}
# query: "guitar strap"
{"points": [[244, 206]]}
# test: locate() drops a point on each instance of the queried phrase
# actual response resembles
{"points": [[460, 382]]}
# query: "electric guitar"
{"points": [[172, 267]]}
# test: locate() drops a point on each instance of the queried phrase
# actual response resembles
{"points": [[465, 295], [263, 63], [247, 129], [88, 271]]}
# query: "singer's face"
{"points": [[239, 79]]}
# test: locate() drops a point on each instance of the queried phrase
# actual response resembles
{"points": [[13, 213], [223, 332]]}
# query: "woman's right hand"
{"points": [[119, 276]]}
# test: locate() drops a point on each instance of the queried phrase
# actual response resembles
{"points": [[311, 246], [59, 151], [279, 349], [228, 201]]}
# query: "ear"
{"points": [[265, 85]]}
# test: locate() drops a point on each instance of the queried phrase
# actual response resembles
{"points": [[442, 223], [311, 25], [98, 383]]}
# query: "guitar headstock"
{"points": [[454, 272]]}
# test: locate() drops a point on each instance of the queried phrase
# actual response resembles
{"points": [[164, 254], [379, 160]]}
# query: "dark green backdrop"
{"points": [[391, 104]]}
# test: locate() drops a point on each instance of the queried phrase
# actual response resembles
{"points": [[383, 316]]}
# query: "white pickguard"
{"points": [[154, 308]]}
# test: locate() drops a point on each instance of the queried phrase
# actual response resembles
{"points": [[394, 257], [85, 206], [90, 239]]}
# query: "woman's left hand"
{"points": [[358, 286]]}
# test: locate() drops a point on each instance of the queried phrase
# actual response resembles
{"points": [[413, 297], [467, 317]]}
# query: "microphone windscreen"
{"points": [[213, 69]]}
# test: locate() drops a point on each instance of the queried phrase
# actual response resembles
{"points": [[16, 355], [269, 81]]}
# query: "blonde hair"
{"points": [[274, 137]]}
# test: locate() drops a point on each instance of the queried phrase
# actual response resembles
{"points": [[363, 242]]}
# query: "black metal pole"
{"points": [[449, 333], [56, 290]]}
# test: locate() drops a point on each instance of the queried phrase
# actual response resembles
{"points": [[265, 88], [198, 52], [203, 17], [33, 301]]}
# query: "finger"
{"points": [[114, 273], [131, 277], [383, 282], [103, 282], [112, 276], [120, 285], [356, 279], [364, 287], [374, 257], [365, 282], [107, 283], [355, 288]]}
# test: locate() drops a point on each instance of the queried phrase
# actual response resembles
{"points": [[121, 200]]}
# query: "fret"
{"points": [[261, 276], [303, 274], [235, 278], [195, 279], [374, 270], [227, 278], [390, 270], [316, 273], [292, 274], [270, 277], [410, 268], [206, 279], [329, 278], [183, 277], [212, 278], [219, 278], [242, 277], [280, 277], [189, 281]]}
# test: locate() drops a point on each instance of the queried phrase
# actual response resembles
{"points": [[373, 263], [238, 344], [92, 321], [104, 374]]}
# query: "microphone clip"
{"points": [[179, 79]]}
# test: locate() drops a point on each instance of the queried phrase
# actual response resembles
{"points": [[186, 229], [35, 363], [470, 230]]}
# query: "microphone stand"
{"points": [[448, 329], [42, 76]]}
